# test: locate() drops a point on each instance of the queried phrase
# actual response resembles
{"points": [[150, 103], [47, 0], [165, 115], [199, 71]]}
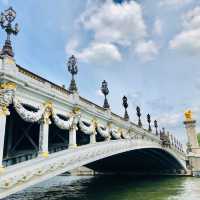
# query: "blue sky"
{"points": [[146, 49]]}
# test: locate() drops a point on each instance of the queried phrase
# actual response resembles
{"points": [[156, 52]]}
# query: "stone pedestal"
{"points": [[194, 161], [8, 65], [190, 126], [193, 146]]}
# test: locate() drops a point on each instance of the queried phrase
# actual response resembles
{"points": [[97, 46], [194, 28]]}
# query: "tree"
{"points": [[198, 137]]}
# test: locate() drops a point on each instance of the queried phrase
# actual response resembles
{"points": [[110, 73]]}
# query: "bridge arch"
{"points": [[139, 160], [37, 170], [145, 155]]}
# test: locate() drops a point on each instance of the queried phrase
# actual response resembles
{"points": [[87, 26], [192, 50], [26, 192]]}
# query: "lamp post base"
{"points": [[7, 49]]}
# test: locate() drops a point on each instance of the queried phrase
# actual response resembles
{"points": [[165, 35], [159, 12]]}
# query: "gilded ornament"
{"points": [[4, 111], [94, 122], [76, 110], [48, 104], [48, 111], [8, 86], [45, 154], [188, 115]]}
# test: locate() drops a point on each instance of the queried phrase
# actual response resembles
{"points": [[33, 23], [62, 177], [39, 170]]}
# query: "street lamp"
{"points": [[156, 126], [139, 116], [149, 122], [105, 91], [125, 104], [73, 69], [6, 19]]}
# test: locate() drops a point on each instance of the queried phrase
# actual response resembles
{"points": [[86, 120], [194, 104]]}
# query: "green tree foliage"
{"points": [[198, 136]]}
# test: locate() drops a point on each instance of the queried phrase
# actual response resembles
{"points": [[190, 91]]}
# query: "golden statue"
{"points": [[188, 115]]}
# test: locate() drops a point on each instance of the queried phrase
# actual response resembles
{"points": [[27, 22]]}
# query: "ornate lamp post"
{"points": [[105, 91], [6, 19], [73, 69], [160, 134], [171, 139], [156, 126], [125, 104], [149, 122], [139, 116]]}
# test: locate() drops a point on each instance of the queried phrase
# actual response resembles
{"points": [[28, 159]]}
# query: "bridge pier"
{"points": [[2, 136], [193, 149]]}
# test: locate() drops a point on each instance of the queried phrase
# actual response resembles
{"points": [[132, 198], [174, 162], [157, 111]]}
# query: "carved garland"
{"points": [[62, 124], [104, 132], [26, 115], [90, 129], [46, 110], [116, 133], [125, 134]]}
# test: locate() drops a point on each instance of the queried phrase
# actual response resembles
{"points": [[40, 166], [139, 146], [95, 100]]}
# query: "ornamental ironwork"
{"points": [[6, 19], [156, 126], [73, 69], [125, 104], [149, 122], [105, 91], [139, 116]]}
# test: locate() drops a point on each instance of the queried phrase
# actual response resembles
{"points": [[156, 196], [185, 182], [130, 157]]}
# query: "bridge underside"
{"points": [[138, 161]]}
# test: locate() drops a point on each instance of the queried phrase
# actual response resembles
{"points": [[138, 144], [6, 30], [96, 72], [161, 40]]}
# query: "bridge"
{"points": [[46, 130]]}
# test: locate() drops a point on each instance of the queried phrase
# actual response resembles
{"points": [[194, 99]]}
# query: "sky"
{"points": [[145, 49]]}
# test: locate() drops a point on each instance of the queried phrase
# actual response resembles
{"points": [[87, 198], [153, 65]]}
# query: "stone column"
{"points": [[190, 126], [2, 138], [7, 90], [93, 138], [72, 136], [44, 139], [44, 130]]}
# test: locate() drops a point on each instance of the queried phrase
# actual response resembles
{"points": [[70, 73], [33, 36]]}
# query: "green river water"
{"points": [[113, 188]]}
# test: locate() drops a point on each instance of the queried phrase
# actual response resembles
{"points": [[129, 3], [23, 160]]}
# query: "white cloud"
{"points": [[72, 46], [191, 20], [188, 40], [100, 53], [174, 2], [97, 52], [170, 120], [114, 26], [146, 50], [158, 26], [118, 23]]}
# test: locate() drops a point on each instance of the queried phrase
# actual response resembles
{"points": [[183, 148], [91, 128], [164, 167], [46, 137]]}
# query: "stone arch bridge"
{"points": [[46, 130]]}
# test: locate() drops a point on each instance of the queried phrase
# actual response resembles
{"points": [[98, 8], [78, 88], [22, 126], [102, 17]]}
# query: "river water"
{"points": [[113, 188]]}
